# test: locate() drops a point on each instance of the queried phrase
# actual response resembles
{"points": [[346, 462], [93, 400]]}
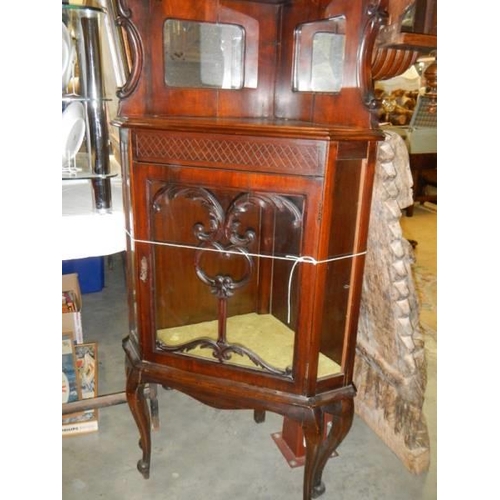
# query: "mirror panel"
{"points": [[319, 56], [201, 54]]}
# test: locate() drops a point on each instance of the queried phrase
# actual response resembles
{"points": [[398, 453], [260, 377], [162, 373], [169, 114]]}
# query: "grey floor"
{"points": [[202, 453]]}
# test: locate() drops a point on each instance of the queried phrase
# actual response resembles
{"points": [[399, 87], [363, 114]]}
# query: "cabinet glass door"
{"points": [[223, 274]]}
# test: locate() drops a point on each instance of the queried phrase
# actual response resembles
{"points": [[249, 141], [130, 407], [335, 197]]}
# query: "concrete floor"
{"points": [[201, 453]]}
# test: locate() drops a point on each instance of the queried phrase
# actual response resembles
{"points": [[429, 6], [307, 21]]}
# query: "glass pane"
{"points": [[319, 56], [327, 59], [223, 259], [199, 54]]}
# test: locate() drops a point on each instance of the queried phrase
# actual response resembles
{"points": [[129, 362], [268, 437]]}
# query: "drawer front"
{"points": [[273, 155]]}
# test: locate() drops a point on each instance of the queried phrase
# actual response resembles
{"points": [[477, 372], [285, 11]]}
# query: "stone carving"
{"points": [[390, 369]]}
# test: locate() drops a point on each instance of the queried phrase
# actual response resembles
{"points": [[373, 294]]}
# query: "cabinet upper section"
{"points": [[304, 60]]}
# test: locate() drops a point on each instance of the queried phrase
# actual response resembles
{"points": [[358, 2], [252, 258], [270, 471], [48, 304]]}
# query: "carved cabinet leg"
{"points": [[342, 414], [312, 426], [259, 416], [319, 449], [153, 405], [137, 401]]}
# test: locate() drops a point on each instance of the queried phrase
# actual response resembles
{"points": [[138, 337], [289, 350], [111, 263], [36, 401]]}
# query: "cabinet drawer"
{"points": [[273, 155]]}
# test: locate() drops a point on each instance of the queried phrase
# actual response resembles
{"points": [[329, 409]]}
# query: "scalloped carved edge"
{"points": [[391, 395]]}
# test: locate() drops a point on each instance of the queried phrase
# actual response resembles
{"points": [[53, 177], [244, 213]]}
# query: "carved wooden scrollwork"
{"points": [[225, 234], [377, 15], [136, 52]]}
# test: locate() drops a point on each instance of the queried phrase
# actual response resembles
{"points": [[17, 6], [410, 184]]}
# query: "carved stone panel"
{"points": [[390, 368]]}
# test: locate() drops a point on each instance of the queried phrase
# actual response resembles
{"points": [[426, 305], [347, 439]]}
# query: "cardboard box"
{"points": [[72, 321]]}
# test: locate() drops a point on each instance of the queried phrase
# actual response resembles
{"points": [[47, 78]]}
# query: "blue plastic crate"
{"points": [[90, 272]]}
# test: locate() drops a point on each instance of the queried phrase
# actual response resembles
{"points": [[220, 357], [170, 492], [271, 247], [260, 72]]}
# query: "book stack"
{"points": [[69, 303], [79, 374]]}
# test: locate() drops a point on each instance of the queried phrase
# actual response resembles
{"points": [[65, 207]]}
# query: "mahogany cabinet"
{"points": [[248, 153]]}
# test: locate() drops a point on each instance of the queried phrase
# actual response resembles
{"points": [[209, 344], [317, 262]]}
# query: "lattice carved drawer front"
{"points": [[276, 155]]}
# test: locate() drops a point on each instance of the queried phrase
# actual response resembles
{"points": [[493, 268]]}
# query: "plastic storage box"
{"points": [[90, 272]]}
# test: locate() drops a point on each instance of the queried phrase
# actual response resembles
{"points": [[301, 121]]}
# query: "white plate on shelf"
{"points": [[73, 130], [67, 56]]}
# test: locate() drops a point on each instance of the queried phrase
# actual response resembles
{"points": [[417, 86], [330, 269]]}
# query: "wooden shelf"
{"points": [[409, 41]]}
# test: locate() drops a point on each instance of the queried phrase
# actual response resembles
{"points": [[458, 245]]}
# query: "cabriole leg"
{"points": [[319, 450], [137, 402], [342, 414], [152, 393], [312, 427]]}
